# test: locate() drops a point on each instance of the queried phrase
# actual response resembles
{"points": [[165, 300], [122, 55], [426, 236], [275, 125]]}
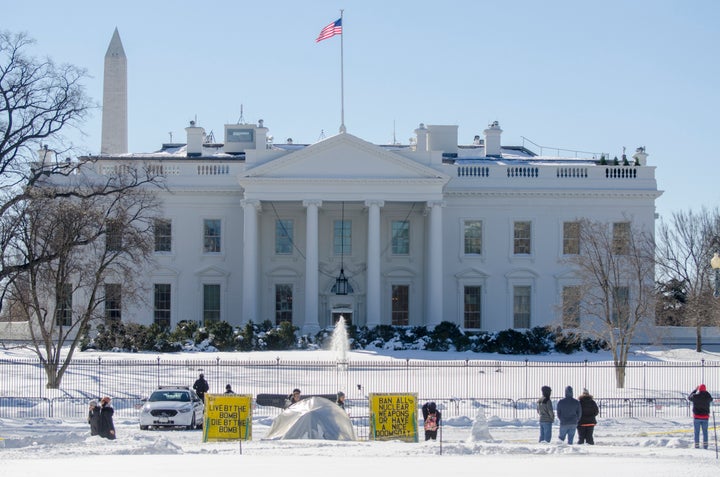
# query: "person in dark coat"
{"points": [[293, 398], [700, 399], [340, 399], [547, 414], [201, 387], [106, 427], [94, 418], [568, 411], [228, 389], [432, 417], [588, 410]]}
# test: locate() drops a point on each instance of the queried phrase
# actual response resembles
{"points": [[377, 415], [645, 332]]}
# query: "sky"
{"points": [[590, 76], [499, 446]]}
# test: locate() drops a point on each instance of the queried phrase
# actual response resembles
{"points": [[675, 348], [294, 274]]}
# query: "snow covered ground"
{"points": [[624, 446]]}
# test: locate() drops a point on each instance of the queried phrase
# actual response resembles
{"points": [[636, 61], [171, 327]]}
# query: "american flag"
{"points": [[335, 28]]}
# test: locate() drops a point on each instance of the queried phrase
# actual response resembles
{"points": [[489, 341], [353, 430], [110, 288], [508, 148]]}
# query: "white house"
{"points": [[423, 233], [402, 234]]}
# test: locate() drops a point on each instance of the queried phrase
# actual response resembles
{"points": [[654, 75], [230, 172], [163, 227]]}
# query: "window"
{"points": [[521, 238], [621, 238], [63, 305], [113, 238], [163, 235], [571, 238], [283, 236], [621, 306], [571, 307], [283, 303], [113, 294], [162, 304], [473, 237], [342, 237], [211, 303], [521, 307], [400, 305], [211, 232], [400, 237], [472, 307]]}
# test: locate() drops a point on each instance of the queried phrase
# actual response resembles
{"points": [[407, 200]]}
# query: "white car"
{"points": [[172, 406]]}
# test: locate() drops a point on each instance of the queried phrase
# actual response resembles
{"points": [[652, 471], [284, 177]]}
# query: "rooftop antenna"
{"points": [[170, 133], [241, 119], [210, 138], [322, 135], [394, 138]]}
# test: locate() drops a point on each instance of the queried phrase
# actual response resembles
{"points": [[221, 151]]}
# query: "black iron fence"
{"points": [[506, 389]]}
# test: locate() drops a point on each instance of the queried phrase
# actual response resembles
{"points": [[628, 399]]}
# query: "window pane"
{"points": [[163, 235], [571, 238], [212, 236], [342, 237], [571, 307], [211, 303], [283, 236], [521, 307], [283, 303], [473, 237], [63, 305], [521, 238], [400, 237], [400, 305], [162, 304], [113, 295], [621, 237], [473, 307], [113, 239]]}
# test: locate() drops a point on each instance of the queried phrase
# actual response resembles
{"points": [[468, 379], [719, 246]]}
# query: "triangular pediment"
{"points": [[343, 156]]}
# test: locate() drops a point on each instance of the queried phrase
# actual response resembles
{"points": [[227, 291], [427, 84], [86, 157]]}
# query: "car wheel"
{"points": [[143, 428], [192, 423]]}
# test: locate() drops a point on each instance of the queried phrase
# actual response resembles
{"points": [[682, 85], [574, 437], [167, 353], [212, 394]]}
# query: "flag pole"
{"points": [[342, 78]]}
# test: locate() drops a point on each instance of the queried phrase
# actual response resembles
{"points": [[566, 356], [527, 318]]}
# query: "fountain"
{"points": [[339, 342]]}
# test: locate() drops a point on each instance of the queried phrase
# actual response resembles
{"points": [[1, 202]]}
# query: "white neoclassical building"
{"points": [[400, 234], [409, 234]]}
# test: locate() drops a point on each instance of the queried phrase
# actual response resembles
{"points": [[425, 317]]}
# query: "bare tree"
{"points": [[38, 102], [615, 275], [685, 246], [99, 244]]}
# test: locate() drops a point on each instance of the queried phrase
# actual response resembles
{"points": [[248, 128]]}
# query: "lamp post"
{"points": [[715, 264]]}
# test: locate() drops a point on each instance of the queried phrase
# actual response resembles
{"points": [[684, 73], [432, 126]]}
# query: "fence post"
{"points": [[585, 375], [407, 373], [702, 370], [527, 371], [99, 377], [157, 371], [277, 373], [644, 380], [467, 377], [217, 370]]}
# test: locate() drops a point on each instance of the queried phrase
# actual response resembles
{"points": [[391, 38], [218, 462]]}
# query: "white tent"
{"points": [[313, 418]]}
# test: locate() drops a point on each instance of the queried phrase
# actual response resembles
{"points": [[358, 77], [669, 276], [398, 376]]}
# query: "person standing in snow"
{"points": [[292, 398], [547, 414], [94, 418], [201, 387], [432, 417], [228, 389], [568, 412], [588, 411], [700, 399], [106, 427], [340, 399]]}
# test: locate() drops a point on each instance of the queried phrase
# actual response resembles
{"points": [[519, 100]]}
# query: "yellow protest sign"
{"points": [[393, 416], [228, 417]]}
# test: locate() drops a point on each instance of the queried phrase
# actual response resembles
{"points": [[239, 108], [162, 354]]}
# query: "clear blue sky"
{"points": [[592, 76]]}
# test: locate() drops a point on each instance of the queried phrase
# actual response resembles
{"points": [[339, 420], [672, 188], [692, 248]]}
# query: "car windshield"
{"points": [[180, 396]]}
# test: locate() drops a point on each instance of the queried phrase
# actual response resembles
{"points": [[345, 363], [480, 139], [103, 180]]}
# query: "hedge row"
{"points": [[221, 336]]}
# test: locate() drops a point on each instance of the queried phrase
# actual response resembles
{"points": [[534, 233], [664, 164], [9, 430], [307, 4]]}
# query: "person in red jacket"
{"points": [[700, 400]]}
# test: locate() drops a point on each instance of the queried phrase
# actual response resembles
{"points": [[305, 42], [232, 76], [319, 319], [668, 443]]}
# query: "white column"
{"points": [[435, 265], [250, 297], [311, 324], [373, 263]]}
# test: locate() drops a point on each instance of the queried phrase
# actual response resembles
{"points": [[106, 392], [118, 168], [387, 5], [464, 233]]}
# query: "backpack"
{"points": [[431, 422]]}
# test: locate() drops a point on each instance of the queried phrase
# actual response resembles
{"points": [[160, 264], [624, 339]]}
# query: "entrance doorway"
{"points": [[344, 311]]}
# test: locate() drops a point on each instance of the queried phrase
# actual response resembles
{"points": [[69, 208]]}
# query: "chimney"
{"points": [[261, 135], [640, 156], [422, 138], [492, 140], [195, 137]]}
